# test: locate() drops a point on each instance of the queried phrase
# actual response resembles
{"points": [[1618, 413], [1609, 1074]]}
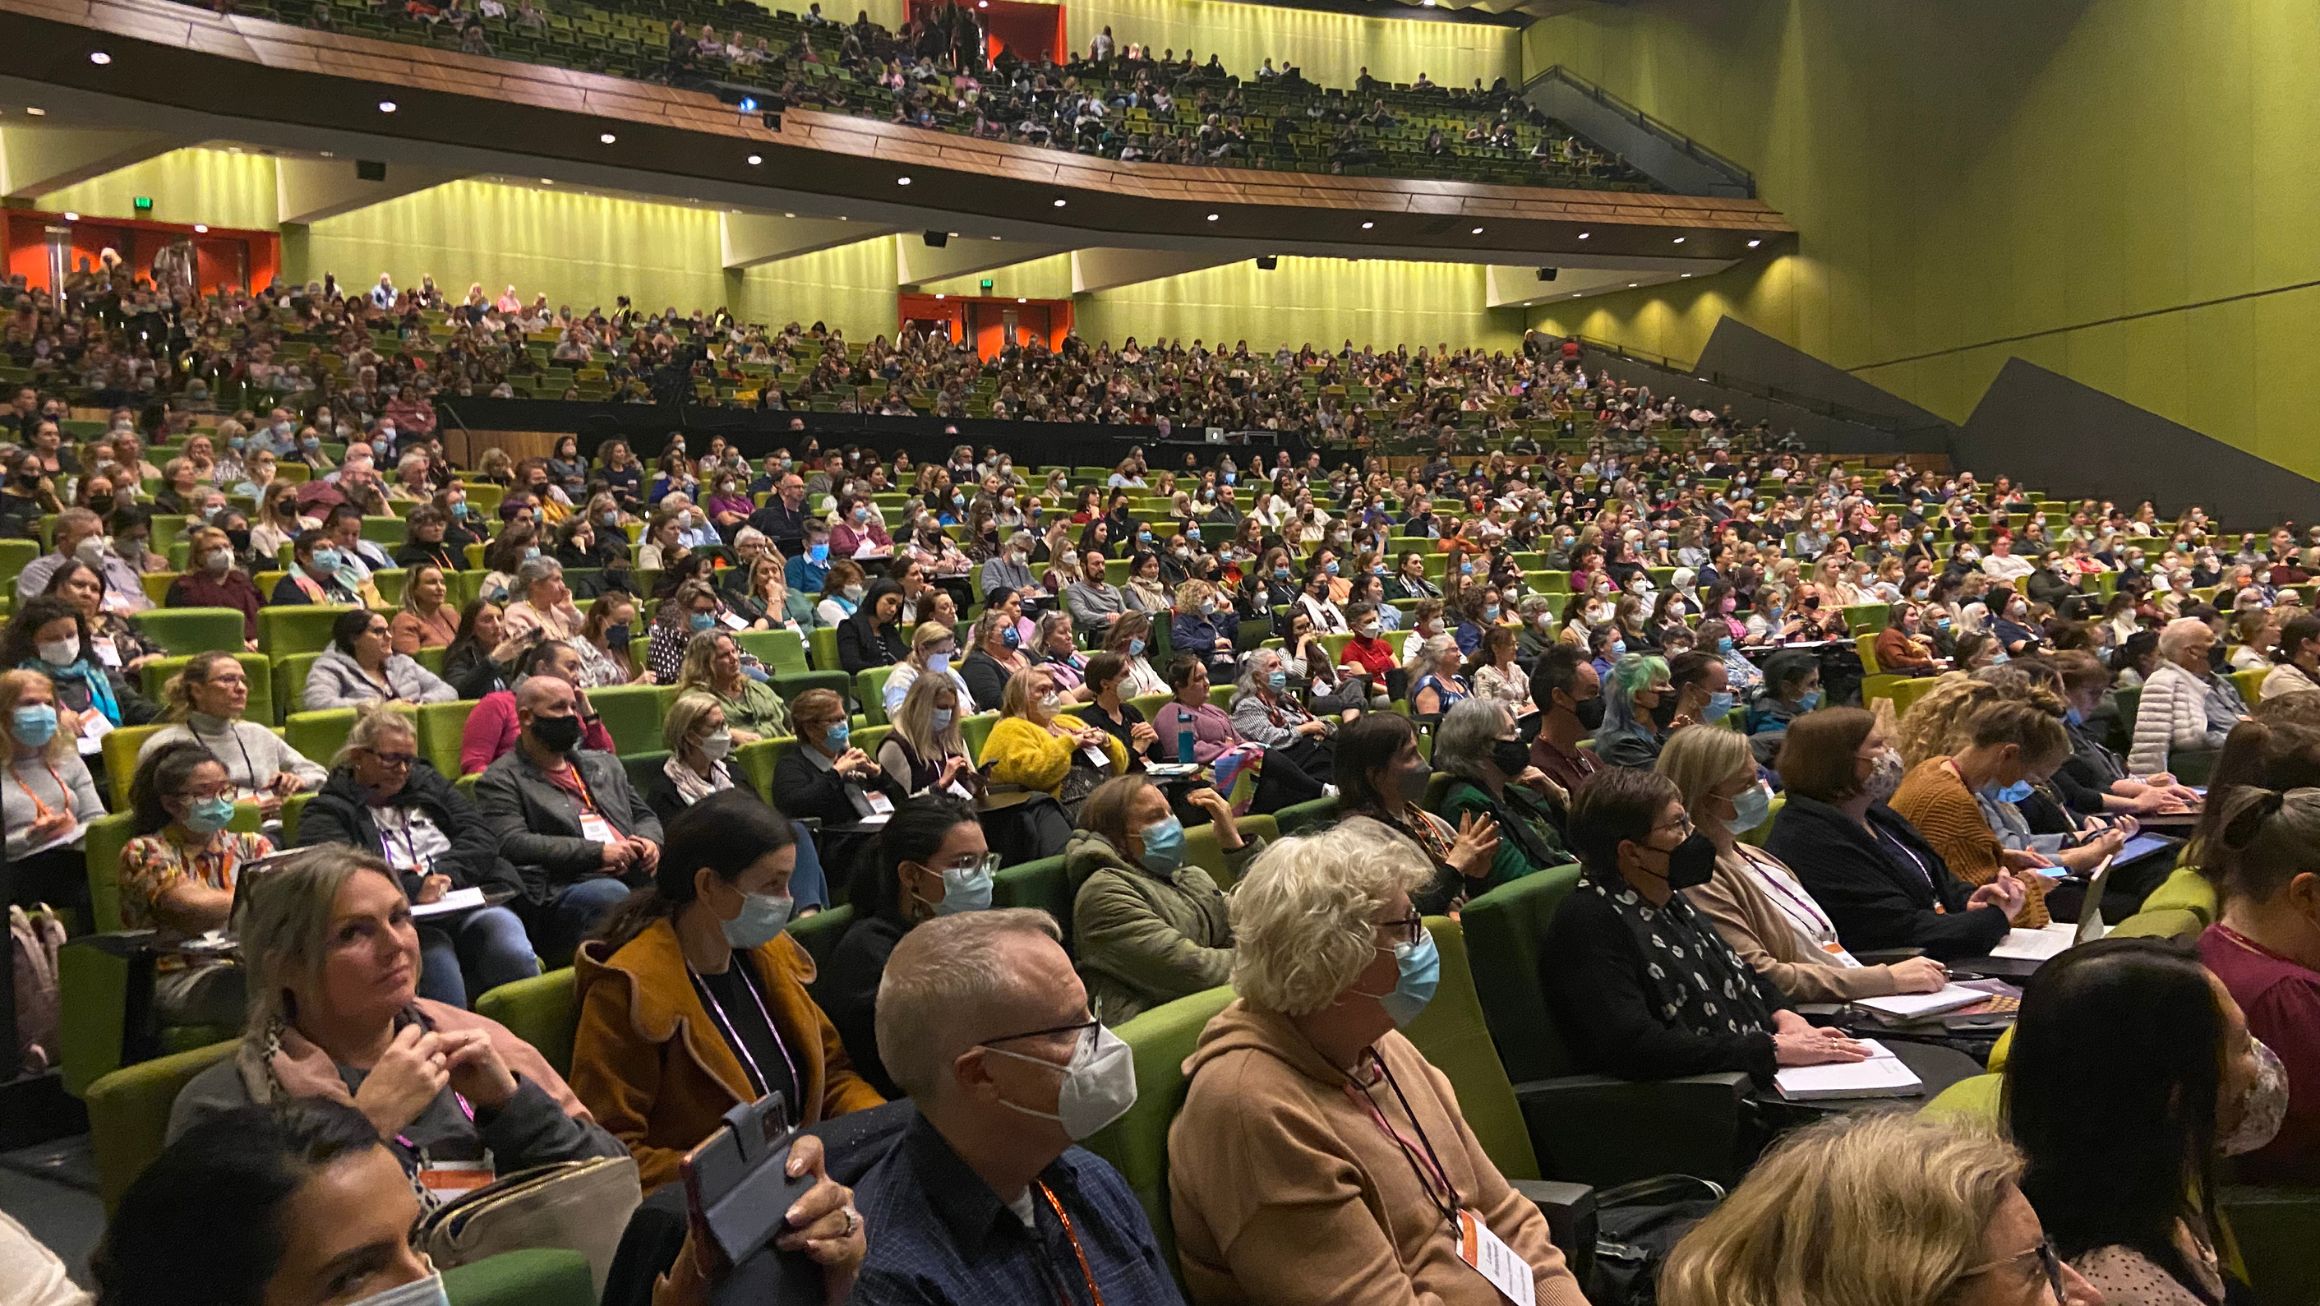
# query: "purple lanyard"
{"points": [[733, 1036], [1806, 912]]}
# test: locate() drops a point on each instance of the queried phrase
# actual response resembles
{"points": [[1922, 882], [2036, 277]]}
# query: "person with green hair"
{"points": [[1636, 702]]}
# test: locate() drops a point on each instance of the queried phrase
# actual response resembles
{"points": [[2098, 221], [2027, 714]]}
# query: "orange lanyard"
{"points": [[1095, 1294], [39, 808]]}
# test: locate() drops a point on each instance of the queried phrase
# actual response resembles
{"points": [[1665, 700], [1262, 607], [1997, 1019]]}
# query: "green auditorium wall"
{"points": [[1331, 48], [2116, 191], [1324, 301], [219, 187]]}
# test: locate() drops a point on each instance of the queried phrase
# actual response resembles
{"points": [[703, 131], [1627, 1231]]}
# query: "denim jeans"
{"points": [[574, 910], [473, 954]]}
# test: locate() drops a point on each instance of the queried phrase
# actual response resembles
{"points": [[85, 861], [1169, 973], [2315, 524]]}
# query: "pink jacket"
{"points": [[1212, 732], [490, 733]]}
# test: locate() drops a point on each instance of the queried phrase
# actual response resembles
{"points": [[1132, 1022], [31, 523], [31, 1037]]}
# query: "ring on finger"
{"points": [[853, 1220]]}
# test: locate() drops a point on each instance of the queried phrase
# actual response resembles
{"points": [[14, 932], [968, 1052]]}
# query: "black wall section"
{"points": [[2067, 439], [1737, 349]]}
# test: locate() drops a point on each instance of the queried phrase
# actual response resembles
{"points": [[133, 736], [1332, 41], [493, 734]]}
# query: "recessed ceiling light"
{"points": [[1367, 225], [842, 217], [36, 111], [942, 296], [200, 228], [72, 217], [756, 159], [1687, 276], [1585, 234], [1633, 284], [1061, 202], [330, 154], [1214, 216], [1478, 231], [233, 149], [789, 215], [998, 237], [1576, 293], [386, 106], [1754, 243], [902, 181], [954, 235], [99, 58], [1679, 240], [1021, 300], [606, 138], [547, 181]]}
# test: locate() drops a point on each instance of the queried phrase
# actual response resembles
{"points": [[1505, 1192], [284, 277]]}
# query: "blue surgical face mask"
{"points": [[2012, 793], [1278, 680], [701, 621], [1723, 643], [327, 559], [938, 663], [2072, 716], [1418, 970], [1011, 637], [1750, 808], [209, 815], [1811, 700], [965, 888], [1163, 845], [762, 917], [836, 736], [1720, 705], [1135, 646], [818, 554], [939, 719], [33, 724], [1619, 648]]}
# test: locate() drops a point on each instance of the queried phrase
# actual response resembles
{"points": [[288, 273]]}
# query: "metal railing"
{"points": [[1668, 132]]}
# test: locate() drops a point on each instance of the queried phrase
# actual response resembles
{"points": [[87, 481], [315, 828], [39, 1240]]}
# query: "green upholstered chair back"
{"points": [[2185, 889], [1453, 1035], [819, 933], [753, 764], [1202, 849], [129, 1113], [543, 1011], [2163, 923], [297, 628], [119, 750], [539, 1277], [1297, 818], [869, 691], [440, 727], [256, 668], [319, 735], [1506, 930], [632, 713], [782, 651], [1040, 884], [290, 673], [1971, 1101], [1137, 1143], [187, 631], [975, 729]]}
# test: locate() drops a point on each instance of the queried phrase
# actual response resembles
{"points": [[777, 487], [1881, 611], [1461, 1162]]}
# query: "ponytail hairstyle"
{"points": [[726, 832], [913, 834], [2263, 841]]}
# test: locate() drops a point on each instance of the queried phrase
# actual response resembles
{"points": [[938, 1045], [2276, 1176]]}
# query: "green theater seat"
{"points": [[1041, 884], [300, 628], [1137, 1143], [187, 631], [543, 1011]]}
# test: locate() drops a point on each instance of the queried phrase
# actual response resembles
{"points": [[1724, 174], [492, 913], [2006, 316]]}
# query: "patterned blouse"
{"points": [[152, 864]]}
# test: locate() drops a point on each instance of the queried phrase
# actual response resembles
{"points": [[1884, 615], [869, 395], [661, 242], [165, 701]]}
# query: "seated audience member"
{"points": [[1498, 676], [606, 647], [930, 860], [996, 658], [1901, 648], [2095, 779], [1792, 687], [317, 574], [493, 728], [361, 666], [1885, 1209], [934, 649], [1037, 745], [47, 798], [214, 579], [2265, 949], [565, 817], [1631, 733], [982, 1021], [178, 873], [203, 704], [1130, 638], [1642, 987], [80, 535], [1435, 685], [692, 998], [1265, 711], [1055, 647], [51, 636], [1881, 883], [753, 711], [1200, 626], [1699, 692], [1190, 723], [2297, 660], [302, 1201], [543, 608], [1384, 777], [1148, 927], [699, 746], [1291, 1171], [2000, 750], [427, 619], [114, 639], [2125, 1179], [1491, 776], [690, 610], [1570, 698], [2186, 708], [872, 636], [1107, 709], [383, 796], [467, 663], [334, 1001], [1757, 904], [825, 777], [925, 751]]}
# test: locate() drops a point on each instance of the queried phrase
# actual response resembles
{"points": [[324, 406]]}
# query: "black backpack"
{"points": [[1636, 1226]]}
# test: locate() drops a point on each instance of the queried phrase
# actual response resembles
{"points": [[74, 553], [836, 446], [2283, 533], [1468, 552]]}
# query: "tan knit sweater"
{"points": [[1937, 802], [1760, 935]]}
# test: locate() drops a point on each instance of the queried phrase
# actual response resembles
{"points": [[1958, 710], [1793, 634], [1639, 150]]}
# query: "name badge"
{"points": [[880, 804], [1097, 757], [107, 653], [94, 728], [451, 1179], [733, 619], [596, 829], [1495, 1261]]}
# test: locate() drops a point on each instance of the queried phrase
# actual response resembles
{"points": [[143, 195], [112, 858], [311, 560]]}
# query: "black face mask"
{"points": [[557, 734], [1690, 863], [1664, 715], [1589, 711], [1511, 756]]}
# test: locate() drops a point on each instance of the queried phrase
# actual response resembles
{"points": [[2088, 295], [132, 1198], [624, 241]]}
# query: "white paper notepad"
{"points": [[1911, 1006], [1882, 1075], [457, 900], [2035, 945]]}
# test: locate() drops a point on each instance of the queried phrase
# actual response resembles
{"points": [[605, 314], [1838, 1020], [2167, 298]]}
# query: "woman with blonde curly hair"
{"points": [[1311, 1201], [1829, 1218]]}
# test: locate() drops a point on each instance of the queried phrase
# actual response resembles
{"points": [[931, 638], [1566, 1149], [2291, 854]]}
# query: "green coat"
{"points": [[1144, 939], [1528, 838], [757, 707]]}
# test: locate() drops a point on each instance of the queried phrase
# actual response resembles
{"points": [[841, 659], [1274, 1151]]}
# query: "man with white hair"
{"points": [[983, 1021], [2186, 707], [383, 294]]}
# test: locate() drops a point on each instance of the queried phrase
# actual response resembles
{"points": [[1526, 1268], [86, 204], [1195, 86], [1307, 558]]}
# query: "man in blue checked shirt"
{"points": [[982, 1020]]}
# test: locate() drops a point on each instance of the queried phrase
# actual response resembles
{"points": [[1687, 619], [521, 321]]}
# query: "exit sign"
{"points": [[986, 285], [143, 203]]}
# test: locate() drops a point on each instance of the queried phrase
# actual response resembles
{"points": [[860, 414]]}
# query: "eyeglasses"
{"points": [[2049, 1261], [1080, 1027], [1404, 929], [395, 761], [988, 864], [1681, 823]]}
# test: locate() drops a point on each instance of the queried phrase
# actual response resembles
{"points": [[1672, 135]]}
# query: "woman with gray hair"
{"points": [[542, 609], [1265, 711], [334, 1012], [1318, 1156], [1492, 776]]}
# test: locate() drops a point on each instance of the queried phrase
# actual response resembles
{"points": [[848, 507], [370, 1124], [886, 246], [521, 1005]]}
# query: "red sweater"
{"points": [[2282, 1002], [1374, 656], [199, 589]]}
